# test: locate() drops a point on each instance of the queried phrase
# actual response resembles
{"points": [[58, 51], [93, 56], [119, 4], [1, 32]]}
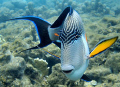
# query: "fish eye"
{"points": [[77, 36]]}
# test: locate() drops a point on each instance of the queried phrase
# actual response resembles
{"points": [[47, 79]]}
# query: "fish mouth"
{"points": [[67, 68], [67, 71]]}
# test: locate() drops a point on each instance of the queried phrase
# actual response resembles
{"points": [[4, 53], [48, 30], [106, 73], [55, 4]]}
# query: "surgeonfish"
{"points": [[68, 33]]}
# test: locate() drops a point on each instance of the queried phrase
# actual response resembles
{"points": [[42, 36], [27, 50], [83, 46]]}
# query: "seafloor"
{"points": [[36, 68]]}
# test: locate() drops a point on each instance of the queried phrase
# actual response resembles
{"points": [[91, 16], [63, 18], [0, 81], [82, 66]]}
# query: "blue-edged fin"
{"points": [[55, 28], [85, 78], [102, 46], [41, 28]]}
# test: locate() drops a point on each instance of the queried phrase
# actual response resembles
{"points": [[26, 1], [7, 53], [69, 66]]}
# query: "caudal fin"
{"points": [[41, 28], [102, 46]]}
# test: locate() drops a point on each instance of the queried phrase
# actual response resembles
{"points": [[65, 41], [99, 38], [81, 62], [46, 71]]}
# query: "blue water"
{"points": [[38, 7]]}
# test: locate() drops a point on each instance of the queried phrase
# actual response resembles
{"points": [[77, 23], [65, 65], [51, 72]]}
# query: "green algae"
{"points": [[43, 69], [111, 20]]}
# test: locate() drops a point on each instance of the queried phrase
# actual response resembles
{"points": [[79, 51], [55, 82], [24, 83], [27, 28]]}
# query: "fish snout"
{"points": [[67, 69]]}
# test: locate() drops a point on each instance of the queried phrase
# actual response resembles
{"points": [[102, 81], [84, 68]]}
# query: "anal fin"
{"points": [[85, 78], [35, 47]]}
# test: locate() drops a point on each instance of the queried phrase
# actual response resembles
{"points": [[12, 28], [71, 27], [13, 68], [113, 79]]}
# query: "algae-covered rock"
{"points": [[33, 74], [41, 65], [1, 84], [116, 85], [4, 47], [93, 83], [96, 73], [16, 83], [113, 62], [13, 69], [111, 78], [30, 8], [51, 13], [4, 59], [8, 5], [113, 21], [2, 40], [24, 82], [64, 3], [31, 78], [19, 4], [6, 14], [117, 11], [40, 10]]}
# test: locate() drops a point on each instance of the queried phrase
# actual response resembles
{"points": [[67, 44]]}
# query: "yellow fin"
{"points": [[103, 45]]}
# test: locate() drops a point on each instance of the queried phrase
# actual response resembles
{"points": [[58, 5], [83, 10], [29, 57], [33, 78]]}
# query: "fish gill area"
{"points": [[37, 68]]}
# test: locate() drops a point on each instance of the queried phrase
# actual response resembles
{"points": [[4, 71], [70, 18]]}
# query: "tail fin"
{"points": [[102, 46], [41, 28]]}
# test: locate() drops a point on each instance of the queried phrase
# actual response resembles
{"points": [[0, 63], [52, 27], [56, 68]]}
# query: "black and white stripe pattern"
{"points": [[72, 28]]}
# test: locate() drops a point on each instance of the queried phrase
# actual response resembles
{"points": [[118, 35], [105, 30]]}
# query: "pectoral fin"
{"points": [[102, 46]]}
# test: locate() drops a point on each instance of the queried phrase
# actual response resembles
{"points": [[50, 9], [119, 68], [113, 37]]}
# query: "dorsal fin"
{"points": [[62, 17], [71, 11]]}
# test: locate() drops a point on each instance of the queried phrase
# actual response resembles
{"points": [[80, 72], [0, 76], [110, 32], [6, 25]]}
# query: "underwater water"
{"points": [[37, 68]]}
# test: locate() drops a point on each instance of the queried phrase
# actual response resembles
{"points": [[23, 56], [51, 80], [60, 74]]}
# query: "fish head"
{"points": [[74, 47]]}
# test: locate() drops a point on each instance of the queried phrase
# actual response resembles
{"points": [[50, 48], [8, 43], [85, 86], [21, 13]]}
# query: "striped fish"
{"points": [[68, 33]]}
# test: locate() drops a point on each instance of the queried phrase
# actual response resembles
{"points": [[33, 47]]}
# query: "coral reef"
{"points": [[43, 69], [5, 14], [30, 68], [2, 40], [16, 72], [95, 7], [30, 9], [114, 66], [61, 5], [117, 11], [13, 68], [20, 4], [111, 21]]}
